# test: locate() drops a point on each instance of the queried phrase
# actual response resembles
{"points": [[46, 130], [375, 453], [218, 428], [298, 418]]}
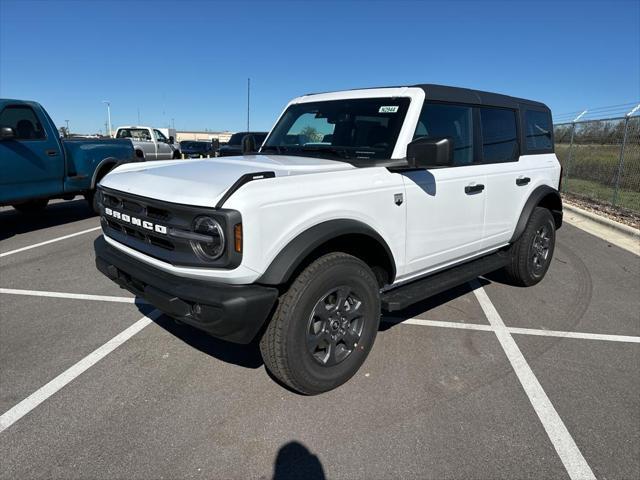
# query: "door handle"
{"points": [[51, 153], [471, 189], [520, 181]]}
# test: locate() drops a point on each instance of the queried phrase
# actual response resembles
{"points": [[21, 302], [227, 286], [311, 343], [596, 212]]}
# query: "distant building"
{"points": [[222, 137]]}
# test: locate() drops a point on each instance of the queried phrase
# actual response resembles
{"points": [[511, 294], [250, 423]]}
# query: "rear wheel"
{"points": [[324, 325], [32, 206], [531, 254]]}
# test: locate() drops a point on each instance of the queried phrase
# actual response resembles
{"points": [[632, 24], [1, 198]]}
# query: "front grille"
{"points": [[139, 219]]}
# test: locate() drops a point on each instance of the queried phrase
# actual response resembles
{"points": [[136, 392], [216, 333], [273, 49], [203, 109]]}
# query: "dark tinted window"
{"points": [[499, 135], [538, 130], [24, 122], [453, 121]]}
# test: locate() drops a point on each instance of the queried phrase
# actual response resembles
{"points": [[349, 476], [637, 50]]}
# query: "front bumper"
{"points": [[231, 312]]}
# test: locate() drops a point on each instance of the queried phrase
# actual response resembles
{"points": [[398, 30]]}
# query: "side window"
{"points": [[538, 130], [499, 135], [160, 136], [24, 122], [453, 121]]}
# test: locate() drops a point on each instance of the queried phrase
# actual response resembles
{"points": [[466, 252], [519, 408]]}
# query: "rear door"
{"points": [[509, 180], [32, 163], [445, 206]]}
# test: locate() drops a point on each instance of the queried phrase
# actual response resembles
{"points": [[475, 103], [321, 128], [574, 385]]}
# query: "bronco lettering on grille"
{"points": [[123, 217]]}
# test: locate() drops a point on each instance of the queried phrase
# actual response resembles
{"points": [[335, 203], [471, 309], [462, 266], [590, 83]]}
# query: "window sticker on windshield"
{"points": [[388, 109]]}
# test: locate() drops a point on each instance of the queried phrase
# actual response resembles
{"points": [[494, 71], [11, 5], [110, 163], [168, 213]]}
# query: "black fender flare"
{"points": [[297, 250], [552, 200]]}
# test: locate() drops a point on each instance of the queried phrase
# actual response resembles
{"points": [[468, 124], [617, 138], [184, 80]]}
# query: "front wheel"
{"points": [[531, 254], [92, 200], [324, 326]]}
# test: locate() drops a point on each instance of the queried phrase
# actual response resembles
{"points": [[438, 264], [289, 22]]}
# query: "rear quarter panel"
{"points": [[85, 157]]}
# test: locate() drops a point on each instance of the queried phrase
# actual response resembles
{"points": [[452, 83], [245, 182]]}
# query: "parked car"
{"points": [[37, 165], [196, 149], [150, 142], [359, 201], [234, 145]]}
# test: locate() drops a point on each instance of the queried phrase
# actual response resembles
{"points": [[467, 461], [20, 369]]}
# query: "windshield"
{"points": [[363, 128]]}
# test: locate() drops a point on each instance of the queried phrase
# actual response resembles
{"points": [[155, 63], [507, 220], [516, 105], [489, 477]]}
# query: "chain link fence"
{"points": [[601, 160]]}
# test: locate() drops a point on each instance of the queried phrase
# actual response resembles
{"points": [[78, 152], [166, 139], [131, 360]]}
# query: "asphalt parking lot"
{"points": [[485, 381]]}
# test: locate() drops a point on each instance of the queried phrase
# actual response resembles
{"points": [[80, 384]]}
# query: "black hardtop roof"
{"points": [[466, 95], [444, 93]]}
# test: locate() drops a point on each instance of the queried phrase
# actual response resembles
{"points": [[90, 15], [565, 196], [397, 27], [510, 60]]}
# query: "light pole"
{"points": [[108, 104], [67, 121]]}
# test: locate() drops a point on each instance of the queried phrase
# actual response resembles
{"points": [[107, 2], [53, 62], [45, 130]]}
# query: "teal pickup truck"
{"points": [[37, 165]]}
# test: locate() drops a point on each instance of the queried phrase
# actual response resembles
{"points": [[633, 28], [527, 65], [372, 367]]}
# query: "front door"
{"points": [[32, 163], [165, 152], [445, 206]]}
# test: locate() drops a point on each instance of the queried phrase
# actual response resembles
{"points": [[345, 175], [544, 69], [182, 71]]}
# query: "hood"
{"points": [[204, 181]]}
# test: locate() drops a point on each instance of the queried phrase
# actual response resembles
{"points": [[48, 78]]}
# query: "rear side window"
{"points": [[24, 122], [538, 129], [453, 121], [499, 135]]}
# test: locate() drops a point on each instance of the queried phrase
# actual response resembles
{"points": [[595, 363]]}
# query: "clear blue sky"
{"points": [[190, 60]]}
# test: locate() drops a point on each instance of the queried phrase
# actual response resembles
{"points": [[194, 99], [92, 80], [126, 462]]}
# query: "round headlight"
{"points": [[211, 249]]}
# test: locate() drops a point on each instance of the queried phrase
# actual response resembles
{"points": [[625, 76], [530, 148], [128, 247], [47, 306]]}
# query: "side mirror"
{"points": [[7, 133], [171, 140], [427, 152], [248, 144]]}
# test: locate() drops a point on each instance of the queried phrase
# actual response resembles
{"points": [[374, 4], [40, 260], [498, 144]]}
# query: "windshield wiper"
{"points": [[341, 152], [279, 149]]}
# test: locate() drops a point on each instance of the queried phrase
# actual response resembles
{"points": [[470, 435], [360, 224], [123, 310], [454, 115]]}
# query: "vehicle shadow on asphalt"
{"points": [[391, 319], [247, 356], [13, 222]]}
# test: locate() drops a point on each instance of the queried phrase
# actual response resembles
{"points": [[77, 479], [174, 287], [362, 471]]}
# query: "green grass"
{"points": [[629, 199], [593, 170]]}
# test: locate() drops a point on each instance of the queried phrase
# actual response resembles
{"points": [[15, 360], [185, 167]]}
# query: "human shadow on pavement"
{"points": [[13, 222], [295, 461]]}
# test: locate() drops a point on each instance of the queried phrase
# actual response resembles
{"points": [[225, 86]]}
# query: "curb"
{"points": [[632, 233]]}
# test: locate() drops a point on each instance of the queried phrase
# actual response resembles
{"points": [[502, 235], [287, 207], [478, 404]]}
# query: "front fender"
{"points": [[297, 250]]}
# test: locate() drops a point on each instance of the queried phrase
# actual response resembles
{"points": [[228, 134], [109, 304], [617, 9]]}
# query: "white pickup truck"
{"points": [[358, 201], [150, 143]]}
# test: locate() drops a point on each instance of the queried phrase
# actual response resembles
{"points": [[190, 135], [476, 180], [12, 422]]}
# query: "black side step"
{"points": [[413, 292]]}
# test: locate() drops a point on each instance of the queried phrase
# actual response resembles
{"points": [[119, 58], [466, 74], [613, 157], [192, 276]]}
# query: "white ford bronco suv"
{"points": [[358, 201]]}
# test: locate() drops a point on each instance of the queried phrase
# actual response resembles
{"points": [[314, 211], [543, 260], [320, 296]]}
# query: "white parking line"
{"points": [[29, 247], [36, 398], [388, 319], [516, 330], [579, 335], [572, 459], [74, 296]]}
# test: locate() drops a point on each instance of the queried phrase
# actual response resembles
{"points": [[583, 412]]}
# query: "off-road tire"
{"points": [[284, 345], [92, 200], [522, 269], [32, 206]]}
